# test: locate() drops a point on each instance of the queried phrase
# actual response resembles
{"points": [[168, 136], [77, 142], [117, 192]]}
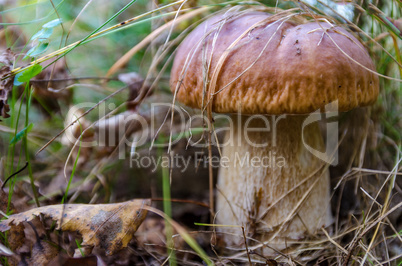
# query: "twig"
{"points": [[210, 170], [366, 230], [68, 79], [245, 243], [183, 201], [333, 241], [16, 173]]}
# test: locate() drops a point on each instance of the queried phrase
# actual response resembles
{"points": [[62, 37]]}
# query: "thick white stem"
{"points": [[278, 191]]}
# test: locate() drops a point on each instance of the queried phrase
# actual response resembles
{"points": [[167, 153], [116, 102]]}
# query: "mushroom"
{"points": [[270, 73]]}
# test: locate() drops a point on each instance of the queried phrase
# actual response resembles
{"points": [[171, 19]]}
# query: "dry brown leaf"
{"points": [[6, 84], [4, 201], [130, 78], [51, 87], [108, 226], [67, 261], [42, 253], [17, 235], [138, 90]]}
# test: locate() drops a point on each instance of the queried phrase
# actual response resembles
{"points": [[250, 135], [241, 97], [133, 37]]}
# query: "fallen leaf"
{"points": [[130, 78], [42, 253], [50, 86], [17, 235], [108, 226], [138, 89], [6, 81], [67, 261], [4, 201], [135, 83]]}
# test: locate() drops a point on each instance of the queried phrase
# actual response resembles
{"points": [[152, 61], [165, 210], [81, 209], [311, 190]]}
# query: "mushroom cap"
{"points": [[254, 64]]}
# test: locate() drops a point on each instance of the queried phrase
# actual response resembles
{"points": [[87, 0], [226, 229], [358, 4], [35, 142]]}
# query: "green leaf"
{"points": [[44, 33], [27, 74], [34, 51], [21, 134], [53, 23], [16, 82]]}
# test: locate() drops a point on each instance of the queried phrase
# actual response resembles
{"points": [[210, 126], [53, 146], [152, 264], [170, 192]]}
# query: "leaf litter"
{"points": [[108, 226], [6, 81]]}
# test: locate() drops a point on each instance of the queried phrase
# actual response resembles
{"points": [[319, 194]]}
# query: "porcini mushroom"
{"points": [[252, 63]]}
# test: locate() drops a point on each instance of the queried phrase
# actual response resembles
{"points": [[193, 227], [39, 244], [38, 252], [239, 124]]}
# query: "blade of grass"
{"points": [[397, 53], [183, 233], [11, 152], [380, 17], [25, 143], [384, 209], [167, 205], [74, 168], [44, 18], [63, 51], [101, 26]]}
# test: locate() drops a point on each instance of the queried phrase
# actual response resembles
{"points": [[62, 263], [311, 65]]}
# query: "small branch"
{"points": [[16, 173], [245, 243], [68, 79]]}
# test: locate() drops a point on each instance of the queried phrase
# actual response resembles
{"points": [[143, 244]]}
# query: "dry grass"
{"points": [[366, 195]]}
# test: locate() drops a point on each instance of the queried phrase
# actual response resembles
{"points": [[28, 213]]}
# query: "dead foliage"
{"points": [[109, 227], [6, 81]]}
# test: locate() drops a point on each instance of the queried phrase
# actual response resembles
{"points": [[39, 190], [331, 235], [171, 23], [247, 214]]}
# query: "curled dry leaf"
{"points": [[108, 226], [6, 83], [138, 90], [51, 85], [130, 78]]}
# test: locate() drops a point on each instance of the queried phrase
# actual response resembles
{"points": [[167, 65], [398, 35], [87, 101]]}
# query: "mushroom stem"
{"points": [[270, 183]]}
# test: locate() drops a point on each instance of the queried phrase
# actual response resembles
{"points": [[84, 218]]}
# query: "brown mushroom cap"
{"points": [[272, 67]]}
